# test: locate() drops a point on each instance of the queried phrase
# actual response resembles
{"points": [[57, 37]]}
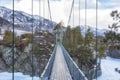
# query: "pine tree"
{"points": [[88, 48], [8, 37], [67, 38], [111, 37]]}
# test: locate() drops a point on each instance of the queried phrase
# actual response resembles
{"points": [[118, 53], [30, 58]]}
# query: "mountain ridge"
{"points": [[23, 21]]}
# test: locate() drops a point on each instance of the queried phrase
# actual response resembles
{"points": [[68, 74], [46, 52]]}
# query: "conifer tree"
{"points": [[111, 37], [8, 37]]}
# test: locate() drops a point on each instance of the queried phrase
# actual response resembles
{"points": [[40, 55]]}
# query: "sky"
{"points": [[60, 10]]}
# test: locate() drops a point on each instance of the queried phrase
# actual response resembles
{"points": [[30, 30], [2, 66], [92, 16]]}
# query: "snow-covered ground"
{"points": [[1, 37], [18, 76], [17, 31], [108, 66], [20, 32]]}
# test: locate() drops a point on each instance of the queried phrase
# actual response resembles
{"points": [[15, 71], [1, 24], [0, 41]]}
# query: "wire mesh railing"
{"points": [[47, 71], [75, 72]]}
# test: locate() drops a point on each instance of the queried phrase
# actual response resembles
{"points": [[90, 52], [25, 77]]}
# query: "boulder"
{"points": [[114, 53]]}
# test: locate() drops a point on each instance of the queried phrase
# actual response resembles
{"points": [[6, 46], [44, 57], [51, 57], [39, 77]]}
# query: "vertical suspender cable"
{"points": [[96, 36], [32, 39], [73, 40], [85, 15], [80, 26], [79, 12], [43, 12], [70, 13], [40, 28], [43, 8], [13, 45], [39, 13], [39, 8], [85, 22], [49, 10], [73, 13]]}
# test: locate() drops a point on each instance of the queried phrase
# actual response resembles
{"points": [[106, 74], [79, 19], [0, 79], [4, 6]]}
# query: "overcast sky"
{"points": [[60, 10]]}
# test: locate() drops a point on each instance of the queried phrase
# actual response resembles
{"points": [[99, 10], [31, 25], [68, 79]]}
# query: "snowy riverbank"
{"points": [[18, 76], [108, 66]]}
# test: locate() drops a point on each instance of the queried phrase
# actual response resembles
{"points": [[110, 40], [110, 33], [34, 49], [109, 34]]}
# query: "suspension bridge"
{"points": [[60, 65]]}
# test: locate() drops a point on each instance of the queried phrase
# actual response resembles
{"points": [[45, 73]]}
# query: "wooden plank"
{"points": [[60, 70]]}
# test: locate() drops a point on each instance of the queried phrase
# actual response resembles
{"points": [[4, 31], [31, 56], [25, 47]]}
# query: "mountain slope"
{"points": [[100, 32], [24, 21]]}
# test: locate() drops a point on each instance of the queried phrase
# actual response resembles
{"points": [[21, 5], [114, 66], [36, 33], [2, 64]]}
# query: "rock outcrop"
{"points": [[22, 60], [114, 53]]}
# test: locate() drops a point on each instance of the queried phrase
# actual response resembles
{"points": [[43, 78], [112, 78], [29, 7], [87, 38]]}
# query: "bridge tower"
{"points": [[58, 30]]}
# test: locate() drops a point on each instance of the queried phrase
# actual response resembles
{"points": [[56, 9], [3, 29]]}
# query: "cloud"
{"points": [[60, 10], [109, 3]]}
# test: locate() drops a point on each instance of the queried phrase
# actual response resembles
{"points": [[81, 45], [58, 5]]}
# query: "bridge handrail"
{"points": [[75, 72], [47, 71]]}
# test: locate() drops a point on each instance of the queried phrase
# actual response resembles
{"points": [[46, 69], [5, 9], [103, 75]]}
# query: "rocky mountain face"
{"points": [[24, 21], [115, 53], [44, 41], [23, 58]]}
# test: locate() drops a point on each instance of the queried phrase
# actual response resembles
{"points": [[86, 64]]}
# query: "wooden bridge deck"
{"points": [[60, 70]]}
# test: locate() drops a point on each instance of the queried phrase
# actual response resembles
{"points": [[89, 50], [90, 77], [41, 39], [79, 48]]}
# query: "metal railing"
{"points": [[47, 71], [75, 72]]}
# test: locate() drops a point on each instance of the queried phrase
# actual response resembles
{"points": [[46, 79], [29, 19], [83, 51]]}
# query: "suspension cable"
{"points": [[85, 15], [43, 8], [96, 36], [39, 12], [70, 12], [13, 45], [49, 10], [39, 8], [32, 38], [39, 27], [79, 12], [73, 14]]}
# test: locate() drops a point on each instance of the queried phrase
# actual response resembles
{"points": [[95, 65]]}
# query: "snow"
{"points": [[18, 76], [17, 31], [108, 66], [1, 37], [20, 32]]}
